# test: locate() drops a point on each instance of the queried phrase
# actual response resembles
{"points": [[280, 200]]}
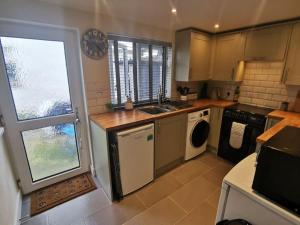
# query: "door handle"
{"points": [[77, 120], [1, 121], [76, 123]]}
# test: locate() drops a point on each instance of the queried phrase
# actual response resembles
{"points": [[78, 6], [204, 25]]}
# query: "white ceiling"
{"points": [[230, 14]]}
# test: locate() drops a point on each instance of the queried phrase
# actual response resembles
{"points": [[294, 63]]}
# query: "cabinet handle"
{"points": [[232, 74], [158, 126], [285, 75]]}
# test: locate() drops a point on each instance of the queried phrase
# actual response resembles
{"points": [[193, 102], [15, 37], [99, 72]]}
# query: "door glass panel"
{"points": [[37, 75], [51, 150]]}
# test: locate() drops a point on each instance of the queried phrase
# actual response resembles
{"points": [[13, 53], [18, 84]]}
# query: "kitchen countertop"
{"points": [[122, 118], [287, 119]]}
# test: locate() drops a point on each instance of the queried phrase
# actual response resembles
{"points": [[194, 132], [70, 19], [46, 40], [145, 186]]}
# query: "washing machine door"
{"points": [[199, 133]]}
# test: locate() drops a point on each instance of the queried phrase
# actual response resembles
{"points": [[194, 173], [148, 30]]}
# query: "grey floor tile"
{"points": [[117, 213], [41, 219], [78, 208]]}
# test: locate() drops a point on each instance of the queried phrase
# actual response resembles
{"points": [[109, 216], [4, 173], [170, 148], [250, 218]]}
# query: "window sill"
{"points": [[1, 131]]}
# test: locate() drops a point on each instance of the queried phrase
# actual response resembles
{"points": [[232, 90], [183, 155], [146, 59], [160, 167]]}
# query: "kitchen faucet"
{"points": [[160, 95]]}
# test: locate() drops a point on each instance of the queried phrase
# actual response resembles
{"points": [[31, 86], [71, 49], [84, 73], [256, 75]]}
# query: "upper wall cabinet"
{"points": [[193, 52], [227, 54], [267, 44], [292, 68]]}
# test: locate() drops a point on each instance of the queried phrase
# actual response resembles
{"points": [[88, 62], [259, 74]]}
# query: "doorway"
{"points": [[42, 103]]}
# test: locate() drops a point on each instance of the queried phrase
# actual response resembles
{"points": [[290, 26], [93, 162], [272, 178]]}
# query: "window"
{"points": [[138, 68]]}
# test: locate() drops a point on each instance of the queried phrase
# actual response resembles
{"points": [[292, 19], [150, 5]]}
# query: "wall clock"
{"points": [[94, 44]]}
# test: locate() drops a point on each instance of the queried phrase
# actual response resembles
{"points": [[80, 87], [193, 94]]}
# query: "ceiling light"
{"points": [[216, 26], [174, 11]]}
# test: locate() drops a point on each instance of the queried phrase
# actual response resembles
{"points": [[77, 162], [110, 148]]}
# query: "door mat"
{"points": [[51, 196]]}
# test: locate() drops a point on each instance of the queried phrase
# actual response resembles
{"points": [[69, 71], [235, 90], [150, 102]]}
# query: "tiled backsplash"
{"points": [[262, 85]]}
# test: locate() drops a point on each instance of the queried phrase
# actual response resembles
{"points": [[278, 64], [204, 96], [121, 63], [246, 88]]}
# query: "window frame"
{"points": [[165, 45]]}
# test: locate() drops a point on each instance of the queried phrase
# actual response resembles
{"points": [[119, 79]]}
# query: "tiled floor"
{"points": [[187, 195]]}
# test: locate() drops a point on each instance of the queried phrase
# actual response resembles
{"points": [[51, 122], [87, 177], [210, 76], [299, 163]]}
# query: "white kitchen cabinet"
{"points": [[292, 69], [267, 44], [193, 54], [215, 123], [100, 147], [227, 55]]}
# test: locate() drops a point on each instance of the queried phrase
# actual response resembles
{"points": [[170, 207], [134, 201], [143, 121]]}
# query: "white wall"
{"points": [[9, 192], [95, 71]]}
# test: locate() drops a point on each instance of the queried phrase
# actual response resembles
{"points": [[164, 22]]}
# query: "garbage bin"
{"points": [[234, 222]]}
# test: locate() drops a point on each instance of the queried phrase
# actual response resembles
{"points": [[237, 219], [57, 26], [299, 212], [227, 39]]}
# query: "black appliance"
{"points": [[234, 222], [254, 118], [277, 174]]}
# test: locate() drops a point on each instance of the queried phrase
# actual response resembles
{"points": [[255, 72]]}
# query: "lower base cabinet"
{"points": [[215, 123], [170, 135]]}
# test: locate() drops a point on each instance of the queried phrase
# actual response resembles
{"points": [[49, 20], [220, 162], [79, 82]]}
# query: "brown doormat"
{"points": [[61, 192]]}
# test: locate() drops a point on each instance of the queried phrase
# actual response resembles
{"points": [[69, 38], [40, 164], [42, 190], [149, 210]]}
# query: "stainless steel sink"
{"points": [[154, 109], [165, 107]]}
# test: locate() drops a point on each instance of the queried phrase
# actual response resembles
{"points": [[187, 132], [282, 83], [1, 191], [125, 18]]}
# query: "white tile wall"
{"points": [[262, 85]]}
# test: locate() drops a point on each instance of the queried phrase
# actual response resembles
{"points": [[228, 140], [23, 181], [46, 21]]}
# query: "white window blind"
{"points": [[138, 68]]}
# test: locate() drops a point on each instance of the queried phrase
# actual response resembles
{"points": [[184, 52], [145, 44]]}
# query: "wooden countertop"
{"points": [[122, 118], [287, 119]]}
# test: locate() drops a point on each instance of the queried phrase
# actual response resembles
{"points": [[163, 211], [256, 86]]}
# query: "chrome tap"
{"points": [[160, 95]]}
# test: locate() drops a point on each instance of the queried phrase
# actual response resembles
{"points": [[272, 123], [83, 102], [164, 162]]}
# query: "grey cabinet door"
{"points": [[292, 70], [170, 135], [229, 50], [199, 57], [267, 43], [182, 55], [215, 127], [192, 52]]}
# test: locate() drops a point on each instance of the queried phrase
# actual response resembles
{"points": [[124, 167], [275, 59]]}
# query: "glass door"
{"points": [[42, 103]]}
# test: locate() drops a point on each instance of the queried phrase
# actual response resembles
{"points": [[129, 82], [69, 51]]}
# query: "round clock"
{"points": [[94, 43]]}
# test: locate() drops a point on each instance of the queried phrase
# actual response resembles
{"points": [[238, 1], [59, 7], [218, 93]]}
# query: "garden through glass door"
{"points": [[44, 111]]}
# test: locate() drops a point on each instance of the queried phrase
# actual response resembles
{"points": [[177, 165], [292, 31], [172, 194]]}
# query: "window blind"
{"points": [[138, 68]]}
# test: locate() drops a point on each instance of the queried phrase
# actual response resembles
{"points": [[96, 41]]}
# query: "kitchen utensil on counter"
{"points": [[297, 103], [203, 92], [236, 94], [128, 104], [216, 93], [284, 106], [183, 90], [190, 96]]}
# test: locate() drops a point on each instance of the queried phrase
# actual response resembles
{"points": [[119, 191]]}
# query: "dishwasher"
{"points": [[132, 159]]}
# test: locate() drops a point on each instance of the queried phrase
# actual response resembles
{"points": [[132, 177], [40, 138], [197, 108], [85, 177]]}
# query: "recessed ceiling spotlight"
{"points": [[216, 26], [174, 10]]}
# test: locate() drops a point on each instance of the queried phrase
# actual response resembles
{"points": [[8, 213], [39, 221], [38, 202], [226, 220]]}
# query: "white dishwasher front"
{"points": [[136, 157]]}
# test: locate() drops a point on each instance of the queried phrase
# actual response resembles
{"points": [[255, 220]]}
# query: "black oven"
{"points": [[254, 119]]}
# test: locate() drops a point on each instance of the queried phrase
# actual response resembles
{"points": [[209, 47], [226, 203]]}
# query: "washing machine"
{"points": [[197, 133]]}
